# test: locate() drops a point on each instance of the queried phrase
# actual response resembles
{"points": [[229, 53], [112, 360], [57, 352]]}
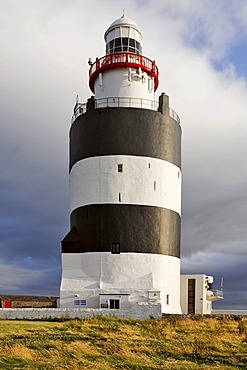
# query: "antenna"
{"points": [[221, 284]]}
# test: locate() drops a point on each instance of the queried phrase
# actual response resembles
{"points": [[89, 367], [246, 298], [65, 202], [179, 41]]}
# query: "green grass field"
{"points": [[109, 343]]}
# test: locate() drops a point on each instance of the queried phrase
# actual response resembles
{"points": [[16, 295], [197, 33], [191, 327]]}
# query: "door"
{"points": [[191, 295]]}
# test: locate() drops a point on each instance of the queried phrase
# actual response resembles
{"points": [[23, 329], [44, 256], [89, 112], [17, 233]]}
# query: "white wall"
{"points": [[144, 181], [115, 83], [87, 275]]}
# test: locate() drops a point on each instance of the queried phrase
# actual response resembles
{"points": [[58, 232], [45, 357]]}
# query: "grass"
{"points": [[102, 343]]}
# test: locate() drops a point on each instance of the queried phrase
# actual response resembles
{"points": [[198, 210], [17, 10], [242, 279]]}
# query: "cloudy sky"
{"points": [[201, 51]]}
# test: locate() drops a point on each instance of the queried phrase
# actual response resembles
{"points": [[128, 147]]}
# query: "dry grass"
{"points": [[109, 343]]}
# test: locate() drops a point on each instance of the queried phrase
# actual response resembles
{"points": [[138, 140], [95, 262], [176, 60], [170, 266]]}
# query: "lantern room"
{"points": [[123, 35]]}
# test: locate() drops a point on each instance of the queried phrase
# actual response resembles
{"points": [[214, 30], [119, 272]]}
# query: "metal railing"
{"points": [[214, 295], [79, 109], [218, 293], [174, 115], [124, 102]]}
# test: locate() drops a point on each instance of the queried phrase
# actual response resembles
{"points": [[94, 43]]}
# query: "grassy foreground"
{"points": [[109, 343]]}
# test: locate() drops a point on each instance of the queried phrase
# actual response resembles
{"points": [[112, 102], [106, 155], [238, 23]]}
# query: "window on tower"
{"points": [[132, 43], [115, 248], [121, 44], [120, 167], [117, 46], [125, 43]]}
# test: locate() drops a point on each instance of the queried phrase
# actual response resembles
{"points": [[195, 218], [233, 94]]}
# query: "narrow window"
{"points": [[132, 42], [120, 167], [115, 248], [178, 174], [154, 185], [125, 43], [167, 299], [149, 165], [119, 197]]}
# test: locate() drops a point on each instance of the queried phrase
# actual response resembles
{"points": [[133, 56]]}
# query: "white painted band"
{"points": [[91, 274], [143, 181]]}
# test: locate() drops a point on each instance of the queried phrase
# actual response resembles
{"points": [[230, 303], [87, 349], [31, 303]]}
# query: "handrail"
{"points": [[174, 115], [217, 293], [214, 295], [129, 102], [116, 102], [123, 59], [79, 109]]}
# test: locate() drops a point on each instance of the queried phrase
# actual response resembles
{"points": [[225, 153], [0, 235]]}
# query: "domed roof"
{"points": [[123, 21]]}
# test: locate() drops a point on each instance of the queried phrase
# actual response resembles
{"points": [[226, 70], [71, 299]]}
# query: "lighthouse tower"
{"points": [[123, 247]]}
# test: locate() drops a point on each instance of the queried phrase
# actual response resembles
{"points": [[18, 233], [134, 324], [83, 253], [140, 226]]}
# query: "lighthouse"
{"points": [[123, 247]]}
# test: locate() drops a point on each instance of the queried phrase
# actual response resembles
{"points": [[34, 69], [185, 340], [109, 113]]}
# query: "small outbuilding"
{"points": [[197, 294]]}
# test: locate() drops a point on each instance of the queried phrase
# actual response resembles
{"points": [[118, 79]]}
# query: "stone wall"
{"points": [[140, 311], [230, 312]]}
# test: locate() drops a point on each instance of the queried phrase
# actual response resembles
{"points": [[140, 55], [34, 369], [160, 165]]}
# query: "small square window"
{"points": [[104, 303], [115, 248], [120, 167]]}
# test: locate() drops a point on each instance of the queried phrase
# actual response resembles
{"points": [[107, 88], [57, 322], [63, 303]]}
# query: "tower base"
{"points": [[106, 280]]}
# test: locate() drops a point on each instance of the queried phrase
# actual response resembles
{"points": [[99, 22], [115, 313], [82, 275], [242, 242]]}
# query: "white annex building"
{"points": [[123, 247], [197, 294]]}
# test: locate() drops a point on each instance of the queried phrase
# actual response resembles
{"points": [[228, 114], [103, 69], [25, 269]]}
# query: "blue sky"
{"points": [[201, 54]]}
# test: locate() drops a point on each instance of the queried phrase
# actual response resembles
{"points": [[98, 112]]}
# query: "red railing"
{"points": [[128, 60]]}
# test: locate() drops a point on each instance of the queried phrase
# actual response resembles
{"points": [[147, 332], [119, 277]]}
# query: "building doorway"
{"points": [[191, 296]]}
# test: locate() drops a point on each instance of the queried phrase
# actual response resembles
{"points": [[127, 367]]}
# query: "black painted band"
{"points": [[125, 131], [139, 229]]}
